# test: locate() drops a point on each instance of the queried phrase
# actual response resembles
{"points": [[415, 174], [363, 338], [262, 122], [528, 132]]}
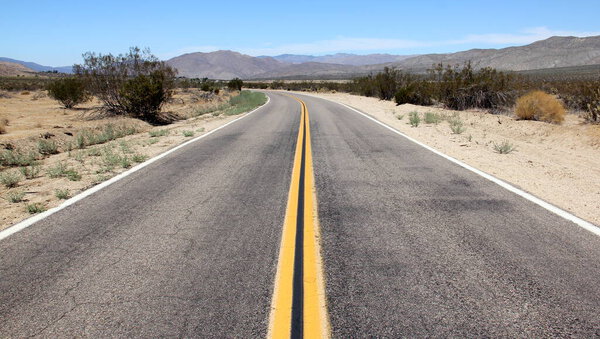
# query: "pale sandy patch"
{"points": [[557, 163]]}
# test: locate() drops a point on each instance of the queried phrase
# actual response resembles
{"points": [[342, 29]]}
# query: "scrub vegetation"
{"points": [[462, 87]]}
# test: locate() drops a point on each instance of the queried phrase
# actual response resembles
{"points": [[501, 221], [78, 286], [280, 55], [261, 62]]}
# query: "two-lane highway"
{"points": [[191, 245]]}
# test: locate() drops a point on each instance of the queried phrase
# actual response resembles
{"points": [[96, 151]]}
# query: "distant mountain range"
{"points": [[550, 53], [554, 52], [38, 67]]}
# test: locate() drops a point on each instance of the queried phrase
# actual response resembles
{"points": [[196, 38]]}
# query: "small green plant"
{"points": [[188, 134], [400, 116], [159, 133], [125, 162], [62, 194], [504, 147], [200, 130], [47, 147], [152, 141], [456, 125], [73, 175], [35, 208], [94, 152], [57, 171], [11, 158], [15, 196], [414, 119], [432, 118], [125, 147], [10, 179], [139, 158], [30, 172]]}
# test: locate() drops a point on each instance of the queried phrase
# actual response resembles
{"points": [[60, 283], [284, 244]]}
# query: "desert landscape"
{"points": [[557, 163], [75, 149]]}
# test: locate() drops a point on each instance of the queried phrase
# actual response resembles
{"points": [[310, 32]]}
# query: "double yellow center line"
{"points": [[298, 309]]}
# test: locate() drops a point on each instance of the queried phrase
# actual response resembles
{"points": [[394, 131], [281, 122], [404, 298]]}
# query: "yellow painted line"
{"points": [[280, 320], [315, 323], [316, 319]]}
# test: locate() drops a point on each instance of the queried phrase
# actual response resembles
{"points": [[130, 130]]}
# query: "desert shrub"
{"points": [[414, 119], [159, 133], [456, 125], [235, 84], [9, 179], [504, 147], [35, 208], [30, 172], [592, 109], [68, 91], [463, 88], [47, 147], [62, 194], [15, 196], [135, 84], [538, 105], [416, 93], [61, 170], [244, 102], [88, 137], [432, 118], [12, 158]]}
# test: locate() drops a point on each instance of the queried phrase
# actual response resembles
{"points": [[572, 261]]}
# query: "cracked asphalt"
{"points": [[185, 247], [413, 245]]}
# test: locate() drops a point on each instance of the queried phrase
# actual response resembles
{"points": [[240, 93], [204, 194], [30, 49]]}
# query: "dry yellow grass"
{"points": [[538, 105]]}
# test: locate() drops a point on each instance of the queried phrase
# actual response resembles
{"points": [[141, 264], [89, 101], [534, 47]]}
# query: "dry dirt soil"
{"points": [[32, 117], [557, 163]]}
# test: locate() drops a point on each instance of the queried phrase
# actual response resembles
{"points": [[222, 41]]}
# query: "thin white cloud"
{"points": [[527, 36], [337, 45], [358, 45], [189, 49]]}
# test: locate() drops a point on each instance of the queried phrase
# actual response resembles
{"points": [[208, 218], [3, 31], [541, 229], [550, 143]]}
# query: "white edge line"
{"points": [[30, 221], [556, 210]]}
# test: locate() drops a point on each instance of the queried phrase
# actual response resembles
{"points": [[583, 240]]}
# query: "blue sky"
{"points": [[57, 32]]}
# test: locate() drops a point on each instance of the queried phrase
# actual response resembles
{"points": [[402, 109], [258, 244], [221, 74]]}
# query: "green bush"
{"points": [[463, 88], [416, 93], [68, 91], [135, 84], [235, 84]]}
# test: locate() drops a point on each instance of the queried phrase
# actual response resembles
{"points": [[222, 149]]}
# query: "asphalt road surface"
{"points": [[412, 244]]}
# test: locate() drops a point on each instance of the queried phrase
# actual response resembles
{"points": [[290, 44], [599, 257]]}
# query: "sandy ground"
{"points": [[557, 163], [32, 115]]}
